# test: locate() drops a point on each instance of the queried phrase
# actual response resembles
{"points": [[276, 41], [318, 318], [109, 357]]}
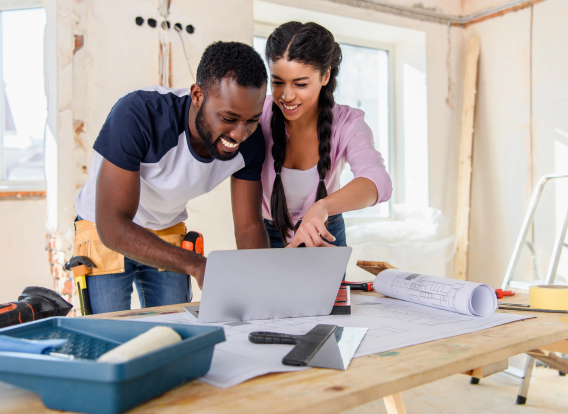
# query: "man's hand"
{"points": [[117, 199], [312, 228], [199, 273]]}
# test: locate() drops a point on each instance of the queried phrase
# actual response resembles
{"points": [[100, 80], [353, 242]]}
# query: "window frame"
{"points": [[6, 185], [263, 29]]}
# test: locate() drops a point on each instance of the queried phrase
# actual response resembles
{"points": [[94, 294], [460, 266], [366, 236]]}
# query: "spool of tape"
{"points": [[553, 297]]}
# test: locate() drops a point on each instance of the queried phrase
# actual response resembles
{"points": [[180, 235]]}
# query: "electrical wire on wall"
{"points": [[179, 31], [165, 45]]}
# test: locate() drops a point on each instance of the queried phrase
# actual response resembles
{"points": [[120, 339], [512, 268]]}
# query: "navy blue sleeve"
{"points": [[121, 140], [252, 151], [141, 127]]}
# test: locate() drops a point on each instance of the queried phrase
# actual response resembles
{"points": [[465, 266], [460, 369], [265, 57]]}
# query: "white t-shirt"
{"points": [[298, 185], [147, 130]]}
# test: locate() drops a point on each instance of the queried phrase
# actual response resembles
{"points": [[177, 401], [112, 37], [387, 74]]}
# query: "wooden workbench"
{"points": [[329, 391]]}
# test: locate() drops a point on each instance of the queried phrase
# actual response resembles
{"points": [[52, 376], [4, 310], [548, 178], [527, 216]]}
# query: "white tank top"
{"points": [[298, 184]]}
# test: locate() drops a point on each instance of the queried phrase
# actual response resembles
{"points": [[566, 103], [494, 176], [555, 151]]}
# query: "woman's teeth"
{"points": [[228, 143], [290, 107]]}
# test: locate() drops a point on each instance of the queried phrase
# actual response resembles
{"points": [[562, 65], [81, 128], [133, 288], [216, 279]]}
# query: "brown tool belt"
{"points": [[87, 243]]}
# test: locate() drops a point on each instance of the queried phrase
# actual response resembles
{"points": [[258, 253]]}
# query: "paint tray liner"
{"points": [[86, 386]]}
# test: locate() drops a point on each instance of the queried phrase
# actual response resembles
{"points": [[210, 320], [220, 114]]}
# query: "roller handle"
{"points": [[273, 338]]}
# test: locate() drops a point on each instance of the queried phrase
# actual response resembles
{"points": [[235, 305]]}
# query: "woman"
{"points": [[309, 139]]}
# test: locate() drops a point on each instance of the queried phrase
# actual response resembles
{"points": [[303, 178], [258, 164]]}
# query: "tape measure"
{"points": [[552, 297]]}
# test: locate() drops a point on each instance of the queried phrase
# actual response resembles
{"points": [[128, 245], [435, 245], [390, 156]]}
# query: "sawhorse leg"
{"points": [[394, 404], [524, 388]]}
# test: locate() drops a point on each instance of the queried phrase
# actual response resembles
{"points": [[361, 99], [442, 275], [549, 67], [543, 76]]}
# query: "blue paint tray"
{"points": [[86, 386]]}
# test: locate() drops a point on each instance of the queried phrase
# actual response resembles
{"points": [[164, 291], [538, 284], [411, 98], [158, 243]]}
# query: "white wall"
{"points": [[23, 258], [507, 161]]}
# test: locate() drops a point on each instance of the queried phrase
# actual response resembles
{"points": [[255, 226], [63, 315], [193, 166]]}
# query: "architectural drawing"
{"points": [[458, 296]]}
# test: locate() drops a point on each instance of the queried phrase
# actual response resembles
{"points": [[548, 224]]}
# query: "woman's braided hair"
{"points": [[314, 45]]}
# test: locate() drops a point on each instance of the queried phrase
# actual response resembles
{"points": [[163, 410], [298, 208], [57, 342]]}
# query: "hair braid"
{"points": [[278, 205], [313, 45]]}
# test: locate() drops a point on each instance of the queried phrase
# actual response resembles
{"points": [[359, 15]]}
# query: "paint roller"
{"points": [[151, 340]]}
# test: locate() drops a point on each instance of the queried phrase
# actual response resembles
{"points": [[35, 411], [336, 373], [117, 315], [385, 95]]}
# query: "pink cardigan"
{"points": [[351, 141]]}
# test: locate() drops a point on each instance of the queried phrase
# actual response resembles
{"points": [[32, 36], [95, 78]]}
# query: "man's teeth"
{"points": [[290, 107], [228, 144]]}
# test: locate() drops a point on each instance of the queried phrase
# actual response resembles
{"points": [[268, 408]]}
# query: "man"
{"points": [[158, 149]]}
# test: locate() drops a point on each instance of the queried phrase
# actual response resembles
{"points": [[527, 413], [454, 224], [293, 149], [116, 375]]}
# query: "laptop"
{"points": [[242, 285]]}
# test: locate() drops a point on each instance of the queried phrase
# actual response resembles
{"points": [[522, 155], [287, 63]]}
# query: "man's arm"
{"points": [[118, 195], [246, 198]]}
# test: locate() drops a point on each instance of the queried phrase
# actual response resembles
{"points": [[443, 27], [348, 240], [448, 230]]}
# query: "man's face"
{"points": [[228, 116]]}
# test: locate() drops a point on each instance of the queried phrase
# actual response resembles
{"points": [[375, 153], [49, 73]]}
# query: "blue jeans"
{"points": [[335, 225], [111, 293]]}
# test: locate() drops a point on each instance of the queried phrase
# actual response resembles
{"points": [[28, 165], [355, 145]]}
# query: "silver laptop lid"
{"points": [[271, 283]]}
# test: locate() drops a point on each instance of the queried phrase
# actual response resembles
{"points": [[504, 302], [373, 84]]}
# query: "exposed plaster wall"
{"points": [[101, 54], [24, 260], [509, 157]]}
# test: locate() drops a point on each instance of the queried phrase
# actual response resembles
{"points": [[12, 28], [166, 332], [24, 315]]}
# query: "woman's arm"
{"points": [[358, 194], [370, 186]]}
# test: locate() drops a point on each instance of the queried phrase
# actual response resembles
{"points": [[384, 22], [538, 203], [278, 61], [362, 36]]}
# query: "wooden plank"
{"points": [[394, 404], [324, 390], [374, 267], [487, 370], [550, 359], [466, 159], [561, 346]]}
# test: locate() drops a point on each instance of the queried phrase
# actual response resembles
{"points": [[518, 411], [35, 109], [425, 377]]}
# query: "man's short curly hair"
{"points": [[230, 59]]}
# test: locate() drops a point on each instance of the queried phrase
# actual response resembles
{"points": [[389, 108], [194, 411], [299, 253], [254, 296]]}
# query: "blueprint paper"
{"points": [[453, 295], [392, 324]]}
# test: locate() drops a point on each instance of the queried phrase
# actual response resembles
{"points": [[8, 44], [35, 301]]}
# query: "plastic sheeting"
{"points": [[417, 240]]}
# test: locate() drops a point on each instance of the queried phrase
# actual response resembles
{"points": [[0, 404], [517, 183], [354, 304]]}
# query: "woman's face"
{"points": [[296, 87]]}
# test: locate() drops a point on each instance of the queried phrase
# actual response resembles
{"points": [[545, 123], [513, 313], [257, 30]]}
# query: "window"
{"points": [[363, 83], [23, 104]]}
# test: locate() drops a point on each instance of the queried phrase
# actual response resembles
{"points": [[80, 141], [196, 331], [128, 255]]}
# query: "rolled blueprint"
{"points": [[454, 295], [151, 340]]}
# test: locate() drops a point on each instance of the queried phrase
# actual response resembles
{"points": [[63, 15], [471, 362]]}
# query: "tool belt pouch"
{"points": [[87, 243], [173, 235]]}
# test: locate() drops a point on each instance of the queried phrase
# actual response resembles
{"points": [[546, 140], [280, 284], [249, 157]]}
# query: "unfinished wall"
{"points": [[521, 107], [24, 260], [100, 55]]}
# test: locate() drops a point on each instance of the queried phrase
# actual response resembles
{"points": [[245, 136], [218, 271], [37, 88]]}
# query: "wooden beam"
{"points": [[487, 370], [394, 404], [561, 346], [374, 267], [550, 359], [466, 159]]}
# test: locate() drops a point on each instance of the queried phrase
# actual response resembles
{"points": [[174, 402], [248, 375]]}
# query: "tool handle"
{"points": [[272, 338], [83, 294], [14, 313], [501, 293], [193, 241], [529, 309], [10, 344], [365, 287]]}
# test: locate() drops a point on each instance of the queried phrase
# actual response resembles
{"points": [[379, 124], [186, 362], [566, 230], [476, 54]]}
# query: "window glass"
{"points": [[24, 100], [363, 83]]}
